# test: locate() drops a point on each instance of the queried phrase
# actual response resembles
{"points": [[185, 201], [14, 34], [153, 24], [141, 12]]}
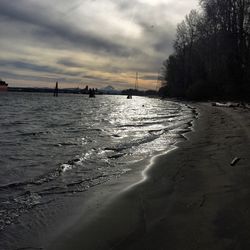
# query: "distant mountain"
{"points": [[110, 90]]}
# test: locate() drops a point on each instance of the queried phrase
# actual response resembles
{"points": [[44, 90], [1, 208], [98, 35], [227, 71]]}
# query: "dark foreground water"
{"points": [[52, 147]]}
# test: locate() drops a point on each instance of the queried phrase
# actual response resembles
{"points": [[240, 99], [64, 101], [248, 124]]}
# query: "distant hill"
{"points": [[110, 90]]}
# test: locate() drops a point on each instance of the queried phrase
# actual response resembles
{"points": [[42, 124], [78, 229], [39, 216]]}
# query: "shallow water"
{"points": [[50, 147]]}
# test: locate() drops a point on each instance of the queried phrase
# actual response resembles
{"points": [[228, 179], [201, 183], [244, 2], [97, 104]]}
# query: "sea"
{"points": [[53, 147]]}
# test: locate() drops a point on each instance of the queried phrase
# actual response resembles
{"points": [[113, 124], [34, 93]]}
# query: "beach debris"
{"points": [[234, 161], [227, 105], [203, 200], [230, 105]]}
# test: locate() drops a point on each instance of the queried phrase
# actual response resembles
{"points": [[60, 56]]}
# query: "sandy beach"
{"points": [[193, 198]]}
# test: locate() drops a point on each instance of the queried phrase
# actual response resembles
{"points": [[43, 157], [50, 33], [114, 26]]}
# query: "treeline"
{"points": [[211, 56]]}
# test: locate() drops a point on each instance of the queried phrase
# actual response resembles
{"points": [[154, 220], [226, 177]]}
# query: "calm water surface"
{"points": [[50, 147]]}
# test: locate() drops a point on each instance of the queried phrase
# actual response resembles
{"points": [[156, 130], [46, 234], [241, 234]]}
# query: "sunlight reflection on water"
{"points": [[55, 146]]}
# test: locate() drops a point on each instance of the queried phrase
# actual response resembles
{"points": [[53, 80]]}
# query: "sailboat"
{"points": [[136, 87]]}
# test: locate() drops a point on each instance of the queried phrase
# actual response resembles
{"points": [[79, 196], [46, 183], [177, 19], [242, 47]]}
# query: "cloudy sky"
{"points": [[87, 42]]}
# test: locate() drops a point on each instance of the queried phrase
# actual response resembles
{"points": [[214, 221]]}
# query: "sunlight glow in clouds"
{"points": [[90, 42]]}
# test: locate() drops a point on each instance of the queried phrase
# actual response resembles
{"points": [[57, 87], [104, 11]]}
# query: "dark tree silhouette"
{"points": [[211, 56]]}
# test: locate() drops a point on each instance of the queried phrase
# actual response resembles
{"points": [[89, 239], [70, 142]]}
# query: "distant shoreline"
{"points": [[44, 90], [79, 91]]}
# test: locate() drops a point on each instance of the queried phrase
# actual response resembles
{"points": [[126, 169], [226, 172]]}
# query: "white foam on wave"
{"points": [[144, 173], [66, 167]]}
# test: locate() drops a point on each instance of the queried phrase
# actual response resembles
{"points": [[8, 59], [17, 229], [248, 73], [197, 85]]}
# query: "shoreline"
{"points": [[115, 190], [61, 216], [192, 199], [99, 200]]}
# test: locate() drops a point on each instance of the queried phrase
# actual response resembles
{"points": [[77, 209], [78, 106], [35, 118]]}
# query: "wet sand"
{"points": [[192, 199]]}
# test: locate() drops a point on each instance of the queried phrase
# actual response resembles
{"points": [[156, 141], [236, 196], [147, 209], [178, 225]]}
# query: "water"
{"points": [[50, 147]]}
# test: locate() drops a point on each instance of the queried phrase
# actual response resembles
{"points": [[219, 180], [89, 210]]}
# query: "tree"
{"points": [[211, 52]]}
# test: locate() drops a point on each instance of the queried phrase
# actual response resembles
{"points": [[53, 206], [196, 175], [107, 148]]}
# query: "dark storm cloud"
{"points": [[73, 77], [16, 76], [82, 79], [164, 43], [158, 28], [26, 65], [36, 68], [52, 25], [83, 41], [91, 41], [150, 77], [69, 63]]}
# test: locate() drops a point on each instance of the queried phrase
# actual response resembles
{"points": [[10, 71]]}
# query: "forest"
{"points": [[211, 58]]}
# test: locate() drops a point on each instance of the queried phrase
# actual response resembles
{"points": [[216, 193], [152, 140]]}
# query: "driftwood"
{"points": [[230, 105], [234, 161], [227, 105]]}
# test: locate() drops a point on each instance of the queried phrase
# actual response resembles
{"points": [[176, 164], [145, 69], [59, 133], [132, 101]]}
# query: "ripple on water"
{"points": [[71, 144]]}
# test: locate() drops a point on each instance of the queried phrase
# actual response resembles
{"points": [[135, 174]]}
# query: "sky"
{"points": [[87, 42]]}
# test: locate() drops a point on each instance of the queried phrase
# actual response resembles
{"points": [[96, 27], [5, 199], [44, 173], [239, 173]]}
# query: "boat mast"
{"points": [[157, 81], [136, 81]]}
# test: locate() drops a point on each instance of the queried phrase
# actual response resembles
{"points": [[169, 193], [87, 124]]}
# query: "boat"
{"points": [[91, 93], [3, 86]]}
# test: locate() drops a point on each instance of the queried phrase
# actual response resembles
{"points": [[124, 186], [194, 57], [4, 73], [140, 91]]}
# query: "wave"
{"points": [[57, 160]]}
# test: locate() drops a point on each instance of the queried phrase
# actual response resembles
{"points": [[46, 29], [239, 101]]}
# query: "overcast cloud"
{"points": [[87, 42]]}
